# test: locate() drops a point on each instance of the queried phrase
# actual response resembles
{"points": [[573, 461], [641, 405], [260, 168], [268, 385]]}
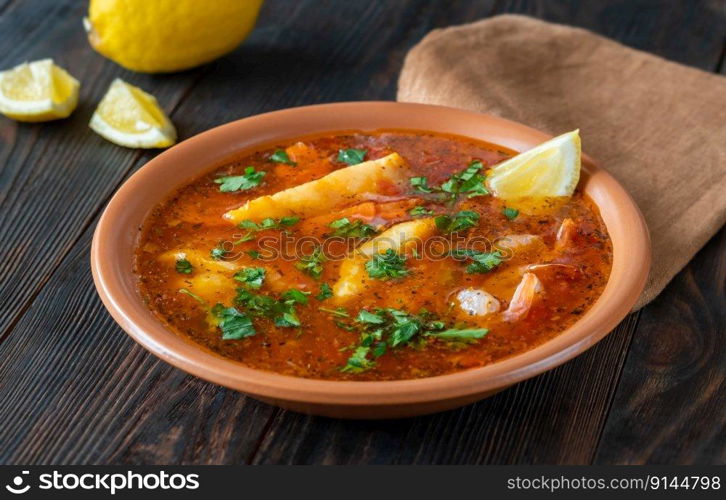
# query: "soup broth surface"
{"points": [[297, 294]]}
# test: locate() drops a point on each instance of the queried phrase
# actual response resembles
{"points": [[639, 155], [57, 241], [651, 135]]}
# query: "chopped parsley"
{"points": [[281, 156], [338, 311], [235, 325], [250, 179], [346, 228], [267, 223], [483, 261], [421, 184], [253, 253], [383, 329], [460, 221], [183, 266], [454, 334], [281, 311], [469, 182], [218, 252], [325, 292], [352, 156], [251, 277], [297, 296], [359, 361], [419, 211], [387, 265], [312, 264], [510, 213]]}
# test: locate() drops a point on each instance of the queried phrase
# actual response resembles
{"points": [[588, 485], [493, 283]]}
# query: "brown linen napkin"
{"points": [[657, 126]]}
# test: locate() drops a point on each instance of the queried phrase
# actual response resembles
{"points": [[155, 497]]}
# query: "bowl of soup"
{"points": [[348, 259]]}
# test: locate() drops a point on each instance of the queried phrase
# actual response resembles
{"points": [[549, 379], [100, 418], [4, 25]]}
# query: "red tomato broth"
{"points": [[192, 218]]}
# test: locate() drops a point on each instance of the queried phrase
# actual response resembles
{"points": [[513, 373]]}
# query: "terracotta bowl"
{"points": [[117, 232]]}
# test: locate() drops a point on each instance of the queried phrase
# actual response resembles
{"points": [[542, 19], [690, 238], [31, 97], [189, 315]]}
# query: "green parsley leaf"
{"points": [[281, 156], [253, 253], [248, 180], [387, 265], [369, 317], [183, 266], [217, 252], [358, 362], [251, 277], [297, 296], [421, 184], [234, 324], [338, 311], [267, 223], [312, 264], [459, 222], [352, 156], [456, 334], [483, 261], [344, 228], [194, 296], [325, 292], [510, 213], [420, 210]]}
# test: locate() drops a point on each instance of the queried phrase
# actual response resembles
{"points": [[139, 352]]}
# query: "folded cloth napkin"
{"points": [[657, 126]]}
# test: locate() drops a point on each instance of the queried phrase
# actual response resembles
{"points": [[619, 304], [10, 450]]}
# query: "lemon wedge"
{"points": [[38, 91], [130, 117], [549, 170]]}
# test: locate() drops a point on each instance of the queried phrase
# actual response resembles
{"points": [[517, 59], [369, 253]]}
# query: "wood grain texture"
{"points": [[670, 403], [75, 389], [57, 175]]}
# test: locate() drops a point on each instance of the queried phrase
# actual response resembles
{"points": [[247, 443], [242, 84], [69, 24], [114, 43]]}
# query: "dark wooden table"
{"points": [[75, 389]]}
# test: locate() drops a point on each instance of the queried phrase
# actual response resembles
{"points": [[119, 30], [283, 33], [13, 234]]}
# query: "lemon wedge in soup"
{"points": [[38, 91], [549, 170], [130, 117]]}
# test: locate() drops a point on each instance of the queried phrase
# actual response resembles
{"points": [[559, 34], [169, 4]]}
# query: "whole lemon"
{"points": [[157, 36]]}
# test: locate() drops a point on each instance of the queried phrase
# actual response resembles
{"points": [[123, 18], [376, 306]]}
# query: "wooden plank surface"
{"points": [[75, 389]]}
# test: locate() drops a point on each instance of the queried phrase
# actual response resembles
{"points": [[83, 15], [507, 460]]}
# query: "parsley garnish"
{"points": [[183, 266], [356, 229], [460, 221], [387, 265], [297, 296], [281, 311], [217, 252], [312, 264], [268, 223], [281, 156], [251, 277], [253, 253], [420, 210], [352, 156], [325, 292], [382, 329], [359, 361], [248, 180], [454, 334], [510, 213], [469, 182], [483, 261], [421, 184], [234, 324]]}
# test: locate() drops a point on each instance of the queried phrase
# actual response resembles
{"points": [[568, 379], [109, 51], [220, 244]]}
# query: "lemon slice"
{"points": [[38, 91], [551, 169], [130, 117]]}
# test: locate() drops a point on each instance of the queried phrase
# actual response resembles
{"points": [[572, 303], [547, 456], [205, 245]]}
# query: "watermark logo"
{"points": [[17, 487]]}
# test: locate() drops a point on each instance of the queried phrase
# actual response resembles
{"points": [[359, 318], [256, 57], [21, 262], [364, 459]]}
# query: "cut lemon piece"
{"points": [[551, 169], [130, 117], [38, 91]]}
